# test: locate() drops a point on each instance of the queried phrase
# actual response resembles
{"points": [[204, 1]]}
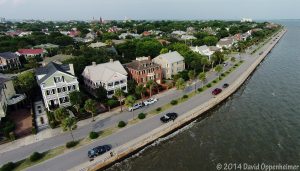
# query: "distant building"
{"points": [[9, 60], [171, 63], [8, 95], [56, 81], [2, 20], [126, 35], [31, 52], [226, 43], [143, 69], [111, 76], [98, 45], [188, 37], [243, 20]]}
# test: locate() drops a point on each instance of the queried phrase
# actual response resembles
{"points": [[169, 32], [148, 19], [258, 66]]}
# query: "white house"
{"points": [[171, 63], [111, 76], [203, 50], [226, 43], [56, 82]]}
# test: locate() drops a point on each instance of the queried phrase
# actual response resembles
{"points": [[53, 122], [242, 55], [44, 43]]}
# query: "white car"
{"points": [[150, 101], [135, 106]]}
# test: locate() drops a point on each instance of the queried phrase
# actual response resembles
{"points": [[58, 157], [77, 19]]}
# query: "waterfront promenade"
{"points": [[131, 138]]}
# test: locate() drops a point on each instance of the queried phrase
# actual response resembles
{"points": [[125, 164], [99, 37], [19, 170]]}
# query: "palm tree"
{"points": [[141, 90], [192, 76], [129, 102], [90, 106], [120, 96], [69, 124], [213, 59], [60, 114], [204, 62], [76, 99], [150, 84], [219, 69], [202, 77]]}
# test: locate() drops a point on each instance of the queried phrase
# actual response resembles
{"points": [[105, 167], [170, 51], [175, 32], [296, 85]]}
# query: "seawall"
{"points": [[135, 145]]}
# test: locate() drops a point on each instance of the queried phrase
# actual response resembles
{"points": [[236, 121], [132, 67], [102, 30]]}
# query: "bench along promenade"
{"points": [[135, 136]]}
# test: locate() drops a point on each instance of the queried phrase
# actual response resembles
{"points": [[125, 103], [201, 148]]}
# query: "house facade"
{"points": [[111, 76], [171, 63], [9, 60], [56, 81], [8, 95], [203, 50], [143, 69]]}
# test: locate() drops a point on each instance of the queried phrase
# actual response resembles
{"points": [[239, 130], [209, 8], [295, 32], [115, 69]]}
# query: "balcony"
{"points": [[16, 99]]}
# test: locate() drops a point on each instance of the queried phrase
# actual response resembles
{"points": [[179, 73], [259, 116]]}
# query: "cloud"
{"points": [[18, 2], [3, 2]]}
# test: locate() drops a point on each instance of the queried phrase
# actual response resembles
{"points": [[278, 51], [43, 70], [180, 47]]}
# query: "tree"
{"points": [[213, 59], [76, 99], [192, 75], [90, 106], [60, 114], [31, 63], [180, 84], [150, 84], [210, 40], [129, 102], [204, 62], [219, 56], [69, 124], [232, 59], [25, 83], [219, 69], [202, 77], [141, 90], [164, 50], [110, 103], [101, 94], [120, 96]]}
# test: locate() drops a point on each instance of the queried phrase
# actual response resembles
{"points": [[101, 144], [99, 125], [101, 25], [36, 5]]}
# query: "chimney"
{"points": [[71, 66], [111, 60], [94, 64]]}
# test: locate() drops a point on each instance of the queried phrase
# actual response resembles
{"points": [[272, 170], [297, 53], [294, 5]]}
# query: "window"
{"points": [[74, 87], [57, 79], [122, 81], [47, 92], [124, 88], [117, 83], [58, 90], [111, 92], [64, 89], [110, 84]]}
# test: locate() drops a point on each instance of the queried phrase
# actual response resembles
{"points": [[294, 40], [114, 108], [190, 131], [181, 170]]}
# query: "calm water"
{"points": [[259, 123]]}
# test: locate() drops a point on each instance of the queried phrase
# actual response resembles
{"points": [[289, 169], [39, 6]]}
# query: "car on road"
{"points": [[98, 151], [225, 85], [225, 64], [150, 101], [135, 106], [168, 117], [261, 53], [216, 91]]}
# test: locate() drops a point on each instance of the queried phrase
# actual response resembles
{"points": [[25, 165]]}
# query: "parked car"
{"points": [[225, 64], [135, 106], [150, 101], [261, 53], [225, 85], [216, 91], [168, 117], [98, 151]]}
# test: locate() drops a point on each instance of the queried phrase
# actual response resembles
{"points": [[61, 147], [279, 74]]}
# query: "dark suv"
{"points": [[168, 117], [98, 151]]}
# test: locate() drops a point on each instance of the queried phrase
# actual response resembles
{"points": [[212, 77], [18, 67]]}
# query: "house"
{"points": [[8, 95], [126, 35], [188, 37], [47, 46], [143, 69], [214, 49], [203, 50], [118, 42], [56, 81], [226, 43], [146, 33], [91, 35], [171, 63], [9, 60], [31, 52], [111, 76], [97, 45], [244, 20]]}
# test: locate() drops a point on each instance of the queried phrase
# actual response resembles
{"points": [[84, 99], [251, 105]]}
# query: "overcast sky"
{"points": [[150, 9]]}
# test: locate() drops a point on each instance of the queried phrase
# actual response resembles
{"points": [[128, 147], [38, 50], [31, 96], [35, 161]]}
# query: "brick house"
{"points": [[143, 69]]}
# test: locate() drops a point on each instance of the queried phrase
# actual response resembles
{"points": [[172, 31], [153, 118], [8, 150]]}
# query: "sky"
{"points": [[150, 9]]}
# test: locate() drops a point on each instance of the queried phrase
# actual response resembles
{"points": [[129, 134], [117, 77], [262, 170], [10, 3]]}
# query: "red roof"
{"points": [[31, 51]]}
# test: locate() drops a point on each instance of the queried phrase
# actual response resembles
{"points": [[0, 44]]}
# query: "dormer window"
{"points": [[59, 79]]}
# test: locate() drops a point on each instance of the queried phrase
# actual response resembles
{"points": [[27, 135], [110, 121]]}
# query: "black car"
{"points": [[225, 85], [168, 117], [98, 151]]}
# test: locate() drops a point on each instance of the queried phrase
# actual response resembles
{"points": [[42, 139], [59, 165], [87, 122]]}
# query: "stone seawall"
{"points": [[127, 149]]}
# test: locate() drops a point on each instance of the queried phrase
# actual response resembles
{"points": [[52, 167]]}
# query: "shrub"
{"points": [[174, 102], [8, 166], [214, 81], [142, 116], [223, 75], [200, 89], [208, 85], [93, 135], [35, 156], [158, 109], [185, 96], [121, 124], [12, 136], [33, 130], [71, 144]]}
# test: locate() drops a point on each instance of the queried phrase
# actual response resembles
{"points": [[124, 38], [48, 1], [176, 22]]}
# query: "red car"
{"points": [[216, 91]]}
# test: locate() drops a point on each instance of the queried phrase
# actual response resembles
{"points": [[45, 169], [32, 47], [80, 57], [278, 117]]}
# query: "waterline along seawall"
{"points": [[135, 145]]}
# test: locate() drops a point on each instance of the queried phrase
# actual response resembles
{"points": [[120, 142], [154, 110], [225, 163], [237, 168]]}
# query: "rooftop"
{"points": [[171, 57], [8, 55]]}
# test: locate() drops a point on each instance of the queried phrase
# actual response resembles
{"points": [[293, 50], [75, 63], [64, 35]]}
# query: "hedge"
{"points": [[142, 116], [8, 166], [35, 156], [158, 109], [174, 102], [71, 144], [185, 96], [121, 124], [93, 135]]}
